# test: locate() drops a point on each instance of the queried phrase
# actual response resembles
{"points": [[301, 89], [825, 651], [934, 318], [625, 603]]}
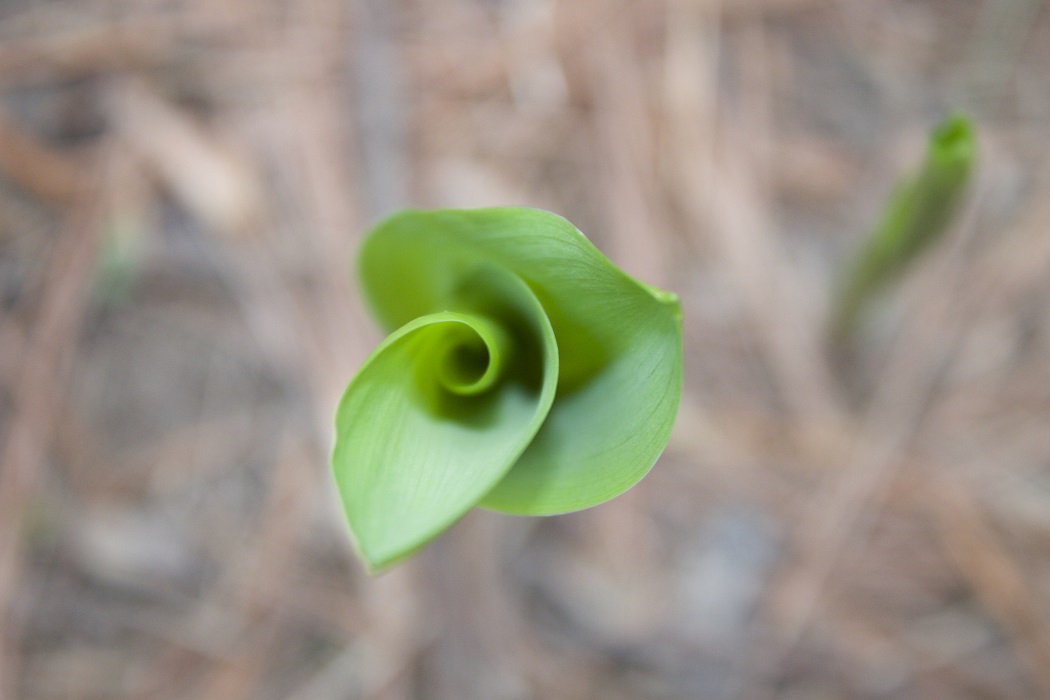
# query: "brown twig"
{"points": [[36, 167], [998, 581], [50, 347]]}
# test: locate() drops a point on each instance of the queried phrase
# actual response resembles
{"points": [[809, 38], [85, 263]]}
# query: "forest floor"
{"points": [[182, 187]]}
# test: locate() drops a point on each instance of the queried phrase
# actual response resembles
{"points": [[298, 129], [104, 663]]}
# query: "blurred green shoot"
{"points": [[119, 261], [919, 211]]}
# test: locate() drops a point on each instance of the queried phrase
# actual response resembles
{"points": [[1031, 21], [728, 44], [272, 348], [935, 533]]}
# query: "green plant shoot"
{"points": [[918, 212], [524, 373]]}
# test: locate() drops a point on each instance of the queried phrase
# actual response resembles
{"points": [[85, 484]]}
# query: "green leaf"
{"points": [[493, 313], [918, 212]]}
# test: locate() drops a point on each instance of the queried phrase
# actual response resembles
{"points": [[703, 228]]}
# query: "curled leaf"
{"points": [[525, 373], [918, 212]]}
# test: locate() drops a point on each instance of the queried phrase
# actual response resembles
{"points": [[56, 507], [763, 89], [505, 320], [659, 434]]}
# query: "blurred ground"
{"points": [[182, 183]]}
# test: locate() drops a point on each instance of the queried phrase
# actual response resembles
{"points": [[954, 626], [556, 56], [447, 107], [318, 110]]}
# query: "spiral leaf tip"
{"points": [[524, 373]]}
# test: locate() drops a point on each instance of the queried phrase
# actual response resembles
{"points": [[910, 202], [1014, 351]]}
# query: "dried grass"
{"points": [[874, 527]]}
